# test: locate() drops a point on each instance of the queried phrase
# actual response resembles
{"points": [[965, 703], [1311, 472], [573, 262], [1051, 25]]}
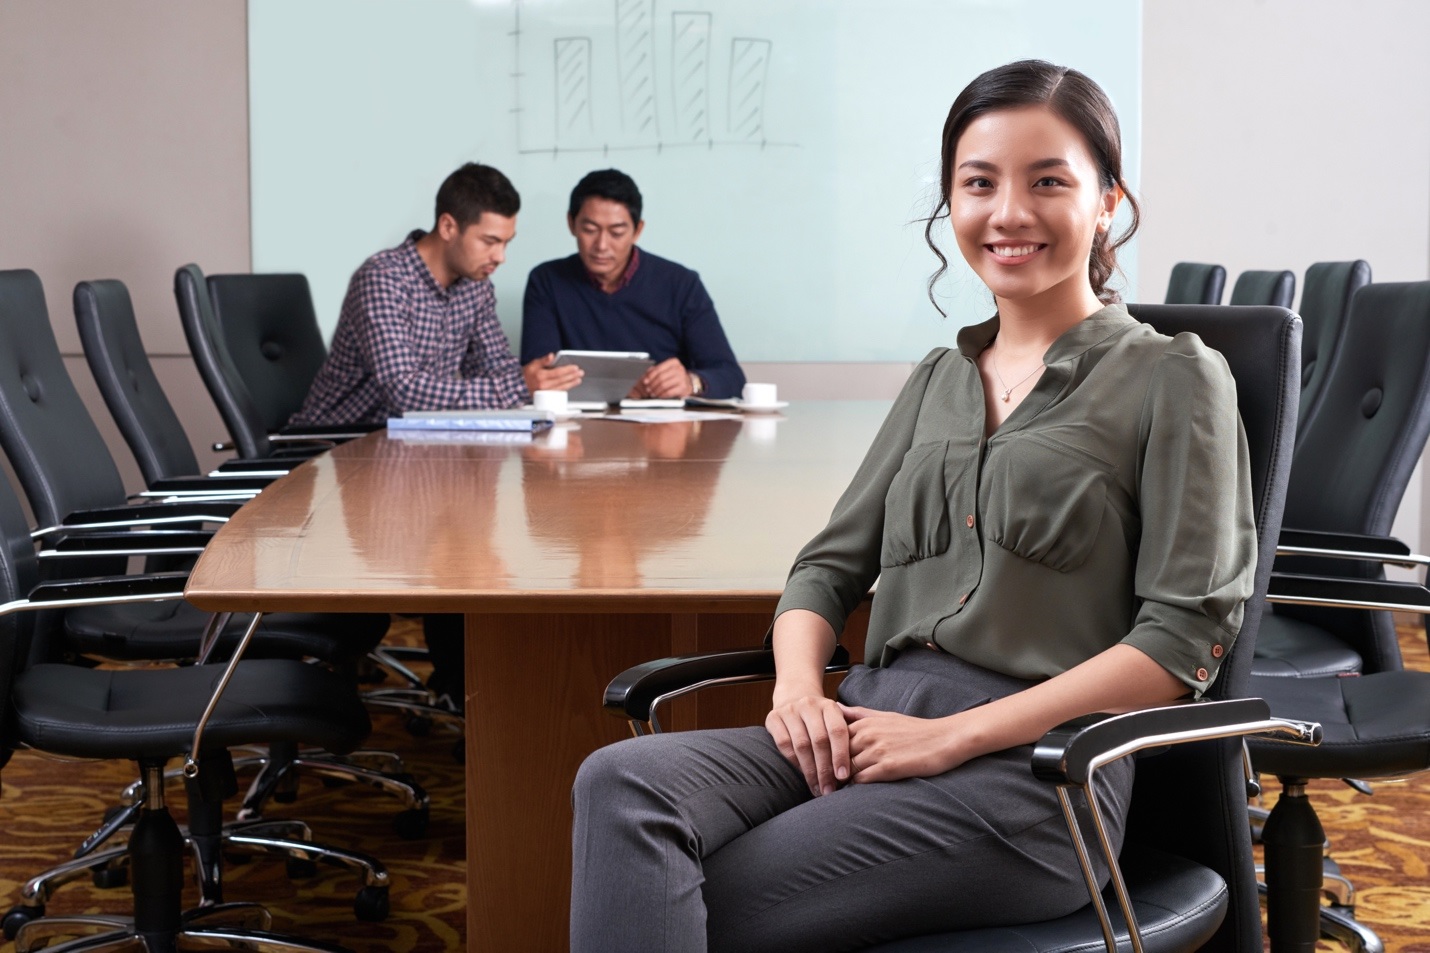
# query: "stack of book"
{"points": [[520, 420]]}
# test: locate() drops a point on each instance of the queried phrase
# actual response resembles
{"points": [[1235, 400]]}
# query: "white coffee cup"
{"points": [[552, 400], [761, 395]]}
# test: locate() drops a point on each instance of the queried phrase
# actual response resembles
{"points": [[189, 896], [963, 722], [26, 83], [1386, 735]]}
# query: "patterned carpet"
{"points": [[47, 807]]}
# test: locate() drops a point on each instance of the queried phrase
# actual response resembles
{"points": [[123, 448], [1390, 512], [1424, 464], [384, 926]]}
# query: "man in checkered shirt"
{"points": [[419, 330]]}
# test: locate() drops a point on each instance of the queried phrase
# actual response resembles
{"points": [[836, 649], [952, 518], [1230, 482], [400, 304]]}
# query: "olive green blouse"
{"points": [[1113, 505]]}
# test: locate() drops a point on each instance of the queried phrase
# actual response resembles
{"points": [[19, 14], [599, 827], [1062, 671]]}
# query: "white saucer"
{"points": [[761, 408], [567, 414]]}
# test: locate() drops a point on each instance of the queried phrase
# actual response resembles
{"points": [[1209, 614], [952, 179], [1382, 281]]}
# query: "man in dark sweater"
{"points": [[613, 296]]}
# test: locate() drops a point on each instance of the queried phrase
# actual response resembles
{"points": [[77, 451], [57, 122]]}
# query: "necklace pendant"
{"points": [[1004, 396]]}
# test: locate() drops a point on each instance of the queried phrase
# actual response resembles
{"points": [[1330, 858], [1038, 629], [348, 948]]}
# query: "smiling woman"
{"points": [[1075, 541]]}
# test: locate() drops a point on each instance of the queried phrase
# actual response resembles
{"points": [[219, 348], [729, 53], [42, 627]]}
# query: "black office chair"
{"points": [[1192, 283], [1370, 431], [1275, 288], [1187, 854], [1349, 473], [64, 466], [152, 716], [1325, 301], [104, 315], [240, 406]]}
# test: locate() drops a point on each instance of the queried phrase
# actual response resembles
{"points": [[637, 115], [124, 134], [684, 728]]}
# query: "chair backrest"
{"points": [[58, 454], [1262, 346], [1193, 283], [272, 333], [1325, 301], [104, 315], [1354, 461], [19, 571], [1265, 287], [216, 367]]}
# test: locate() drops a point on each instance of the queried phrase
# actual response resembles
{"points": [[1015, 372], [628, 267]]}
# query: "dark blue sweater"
{"points": [[664, 310]]}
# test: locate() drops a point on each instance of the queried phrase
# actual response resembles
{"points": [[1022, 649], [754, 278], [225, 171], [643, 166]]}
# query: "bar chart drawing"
{"points": [[573, 88], [644, 82], [690, 75], [749, 68]]}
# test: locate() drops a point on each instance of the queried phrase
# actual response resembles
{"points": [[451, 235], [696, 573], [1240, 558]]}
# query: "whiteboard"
{"points": [[786, 149]]}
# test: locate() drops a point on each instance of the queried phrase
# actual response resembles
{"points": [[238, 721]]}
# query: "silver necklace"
{"points": [[1008, 391]]}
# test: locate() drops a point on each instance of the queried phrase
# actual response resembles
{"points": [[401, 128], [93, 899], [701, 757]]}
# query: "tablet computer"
{"points": [[609, 375]]}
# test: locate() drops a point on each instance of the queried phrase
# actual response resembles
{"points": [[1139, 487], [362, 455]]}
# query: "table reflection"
{"points": [[613, 515]]}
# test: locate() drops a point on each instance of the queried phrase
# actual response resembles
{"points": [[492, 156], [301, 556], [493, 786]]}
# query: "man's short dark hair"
{"points": [[610, 184], [474, 189]]}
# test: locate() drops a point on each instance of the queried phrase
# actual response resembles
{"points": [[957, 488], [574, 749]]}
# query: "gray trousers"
{"points": [[710, 839]]}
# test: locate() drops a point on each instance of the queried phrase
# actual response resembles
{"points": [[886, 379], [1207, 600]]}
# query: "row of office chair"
{"points": [[1197, 283], [273, 697]]}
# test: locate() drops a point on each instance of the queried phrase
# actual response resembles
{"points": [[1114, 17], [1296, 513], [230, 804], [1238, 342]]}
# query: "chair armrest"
{"points": [[639, 690], [334, 432], [1382, 549], [204, 484], [1338, 592], [101, 590], [270, 469], [152, 543], [151, 514], [1072, 751]]}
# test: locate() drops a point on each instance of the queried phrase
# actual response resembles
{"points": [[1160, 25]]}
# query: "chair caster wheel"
{"points": [[419, 726], [18, 916], [371, 905], [300, 869], [412, 824], [459, 751], [110, 876]]}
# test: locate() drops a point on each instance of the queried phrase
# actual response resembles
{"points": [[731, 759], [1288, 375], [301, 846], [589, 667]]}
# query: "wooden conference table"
{"points": [[591, 548]]}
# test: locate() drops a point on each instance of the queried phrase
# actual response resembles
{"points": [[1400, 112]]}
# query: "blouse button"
{"points": [[969, 521], [1201, 675], [1217, 651]]}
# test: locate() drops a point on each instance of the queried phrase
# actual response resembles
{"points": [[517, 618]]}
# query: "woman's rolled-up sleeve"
{"points": [[1197, 557]]}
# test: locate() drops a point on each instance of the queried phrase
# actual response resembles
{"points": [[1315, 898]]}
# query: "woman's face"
{"points": [[1025, 204]]}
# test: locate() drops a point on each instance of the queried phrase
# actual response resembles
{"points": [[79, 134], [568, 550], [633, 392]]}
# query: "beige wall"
{"points": [[1279, 133], [124, 153]]}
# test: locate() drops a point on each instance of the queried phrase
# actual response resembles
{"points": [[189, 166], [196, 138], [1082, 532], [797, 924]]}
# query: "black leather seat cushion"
{"points": [[151, 713], [172, 630], [1376, 726], [1290, 648], [1171, 898]]}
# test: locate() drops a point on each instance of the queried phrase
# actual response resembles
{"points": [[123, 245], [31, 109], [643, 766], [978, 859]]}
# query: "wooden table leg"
{"points": [[534, 685]]}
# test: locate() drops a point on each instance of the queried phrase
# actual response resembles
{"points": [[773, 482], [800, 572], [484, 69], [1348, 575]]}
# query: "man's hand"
{"points": [[811, 733], [540, 375], [669, 378]]}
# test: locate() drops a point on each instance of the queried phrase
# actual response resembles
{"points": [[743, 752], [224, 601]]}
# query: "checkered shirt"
{"points": [[406, 343]]}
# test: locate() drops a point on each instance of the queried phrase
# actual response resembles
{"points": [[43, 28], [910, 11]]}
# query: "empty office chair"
{"points": [[153, 716], [104, 315], [1187, 854], [238, 403], [1325, 301], [1349, 473], [64, 465], [121, 367], [1192, 283], [1264, 287], [272, 335]]}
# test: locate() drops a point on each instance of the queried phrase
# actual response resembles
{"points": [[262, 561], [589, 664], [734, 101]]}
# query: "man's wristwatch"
{"points": [[697, 386]]}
